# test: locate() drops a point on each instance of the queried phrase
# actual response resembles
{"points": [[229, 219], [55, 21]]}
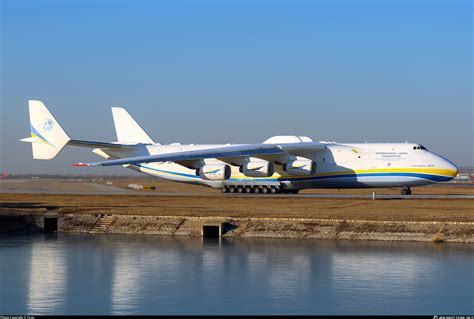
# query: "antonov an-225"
{"points": [[283, 164]]}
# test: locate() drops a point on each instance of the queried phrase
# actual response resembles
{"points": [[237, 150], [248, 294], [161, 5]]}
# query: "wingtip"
{"points": [[80, 164]]}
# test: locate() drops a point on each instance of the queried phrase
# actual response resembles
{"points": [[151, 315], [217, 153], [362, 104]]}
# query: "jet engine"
{"points": [[300, 167], [214, 172], [257, 169]]}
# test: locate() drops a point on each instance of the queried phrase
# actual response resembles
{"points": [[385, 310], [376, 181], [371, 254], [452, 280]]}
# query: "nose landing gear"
{"points": [[406, 190]]}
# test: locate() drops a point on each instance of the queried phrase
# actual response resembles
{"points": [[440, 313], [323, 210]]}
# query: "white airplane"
{"points": [[284, 164]]}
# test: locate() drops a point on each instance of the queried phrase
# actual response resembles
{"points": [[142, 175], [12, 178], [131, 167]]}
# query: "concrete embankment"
{"points": [[97, 221]]}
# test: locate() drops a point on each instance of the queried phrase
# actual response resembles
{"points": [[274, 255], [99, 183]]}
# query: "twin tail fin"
{"points": [[48, 138]]}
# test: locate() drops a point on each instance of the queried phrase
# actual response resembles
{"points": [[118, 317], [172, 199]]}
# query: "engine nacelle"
{"points": [[257, 169], [300, 167], [214, 172]]}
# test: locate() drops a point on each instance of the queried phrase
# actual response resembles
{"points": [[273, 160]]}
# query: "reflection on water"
{"points": [[47, 276], [125, 283], [118, 274]]}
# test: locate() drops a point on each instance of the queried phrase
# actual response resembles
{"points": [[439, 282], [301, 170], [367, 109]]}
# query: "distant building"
{"points": [[466, 174]]}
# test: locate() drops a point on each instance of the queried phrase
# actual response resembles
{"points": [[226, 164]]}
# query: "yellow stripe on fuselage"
{"points": [[432, 171]]}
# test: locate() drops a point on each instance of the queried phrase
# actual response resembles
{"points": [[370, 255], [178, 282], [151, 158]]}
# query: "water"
{"points": [[120, 274]]}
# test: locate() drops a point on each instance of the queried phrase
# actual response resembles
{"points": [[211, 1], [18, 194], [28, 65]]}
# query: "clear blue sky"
{"points": [[239, 72]]}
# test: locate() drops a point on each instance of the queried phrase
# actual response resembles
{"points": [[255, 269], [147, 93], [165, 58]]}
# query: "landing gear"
{"points": [[406, 190], [263, 189]]}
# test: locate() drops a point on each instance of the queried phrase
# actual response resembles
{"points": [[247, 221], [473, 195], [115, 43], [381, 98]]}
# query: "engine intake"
{"points": [[300, 167], [257, 169], [214, 172]]}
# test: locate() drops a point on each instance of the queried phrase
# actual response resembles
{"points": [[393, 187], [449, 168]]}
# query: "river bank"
{"points": [[96, 221]]}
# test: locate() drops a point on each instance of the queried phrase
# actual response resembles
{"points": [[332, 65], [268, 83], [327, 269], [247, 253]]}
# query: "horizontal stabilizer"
{"points": [[30, 140], [93, 144]]}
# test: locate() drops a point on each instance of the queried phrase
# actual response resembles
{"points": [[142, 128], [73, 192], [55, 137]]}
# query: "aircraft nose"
{"points": [[451, 167], [455, 168]]}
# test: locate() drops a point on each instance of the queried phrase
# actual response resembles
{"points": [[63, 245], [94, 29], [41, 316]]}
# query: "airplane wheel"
{"points": [[406, 191], [232, 189], [248, 189], [225, 189], [240, 189], [265, 190]]}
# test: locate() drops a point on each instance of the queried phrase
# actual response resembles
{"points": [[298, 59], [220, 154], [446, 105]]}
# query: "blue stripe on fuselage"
{"points": [[436, 178]]}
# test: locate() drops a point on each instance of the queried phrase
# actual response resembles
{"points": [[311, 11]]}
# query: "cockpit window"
{"points": [[419, 147]]}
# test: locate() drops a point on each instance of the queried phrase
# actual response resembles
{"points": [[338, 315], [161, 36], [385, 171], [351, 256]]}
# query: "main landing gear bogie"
{"points": [[406, 191], [260, 189]]}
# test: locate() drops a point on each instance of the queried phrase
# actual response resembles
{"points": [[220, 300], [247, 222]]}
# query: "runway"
{"points": [[79, 187]]}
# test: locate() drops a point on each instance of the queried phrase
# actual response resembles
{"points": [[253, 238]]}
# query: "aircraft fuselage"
{"points": [[364, 165]]}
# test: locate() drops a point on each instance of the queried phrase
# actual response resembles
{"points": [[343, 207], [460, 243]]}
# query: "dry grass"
{"points": [[241, 206]]}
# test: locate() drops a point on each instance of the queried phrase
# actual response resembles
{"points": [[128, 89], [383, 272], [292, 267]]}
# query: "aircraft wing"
{"points": [[264, 151], [220, 152]]}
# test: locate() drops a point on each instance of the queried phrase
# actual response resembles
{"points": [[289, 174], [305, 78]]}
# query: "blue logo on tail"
{"points": [[48, 125]]}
